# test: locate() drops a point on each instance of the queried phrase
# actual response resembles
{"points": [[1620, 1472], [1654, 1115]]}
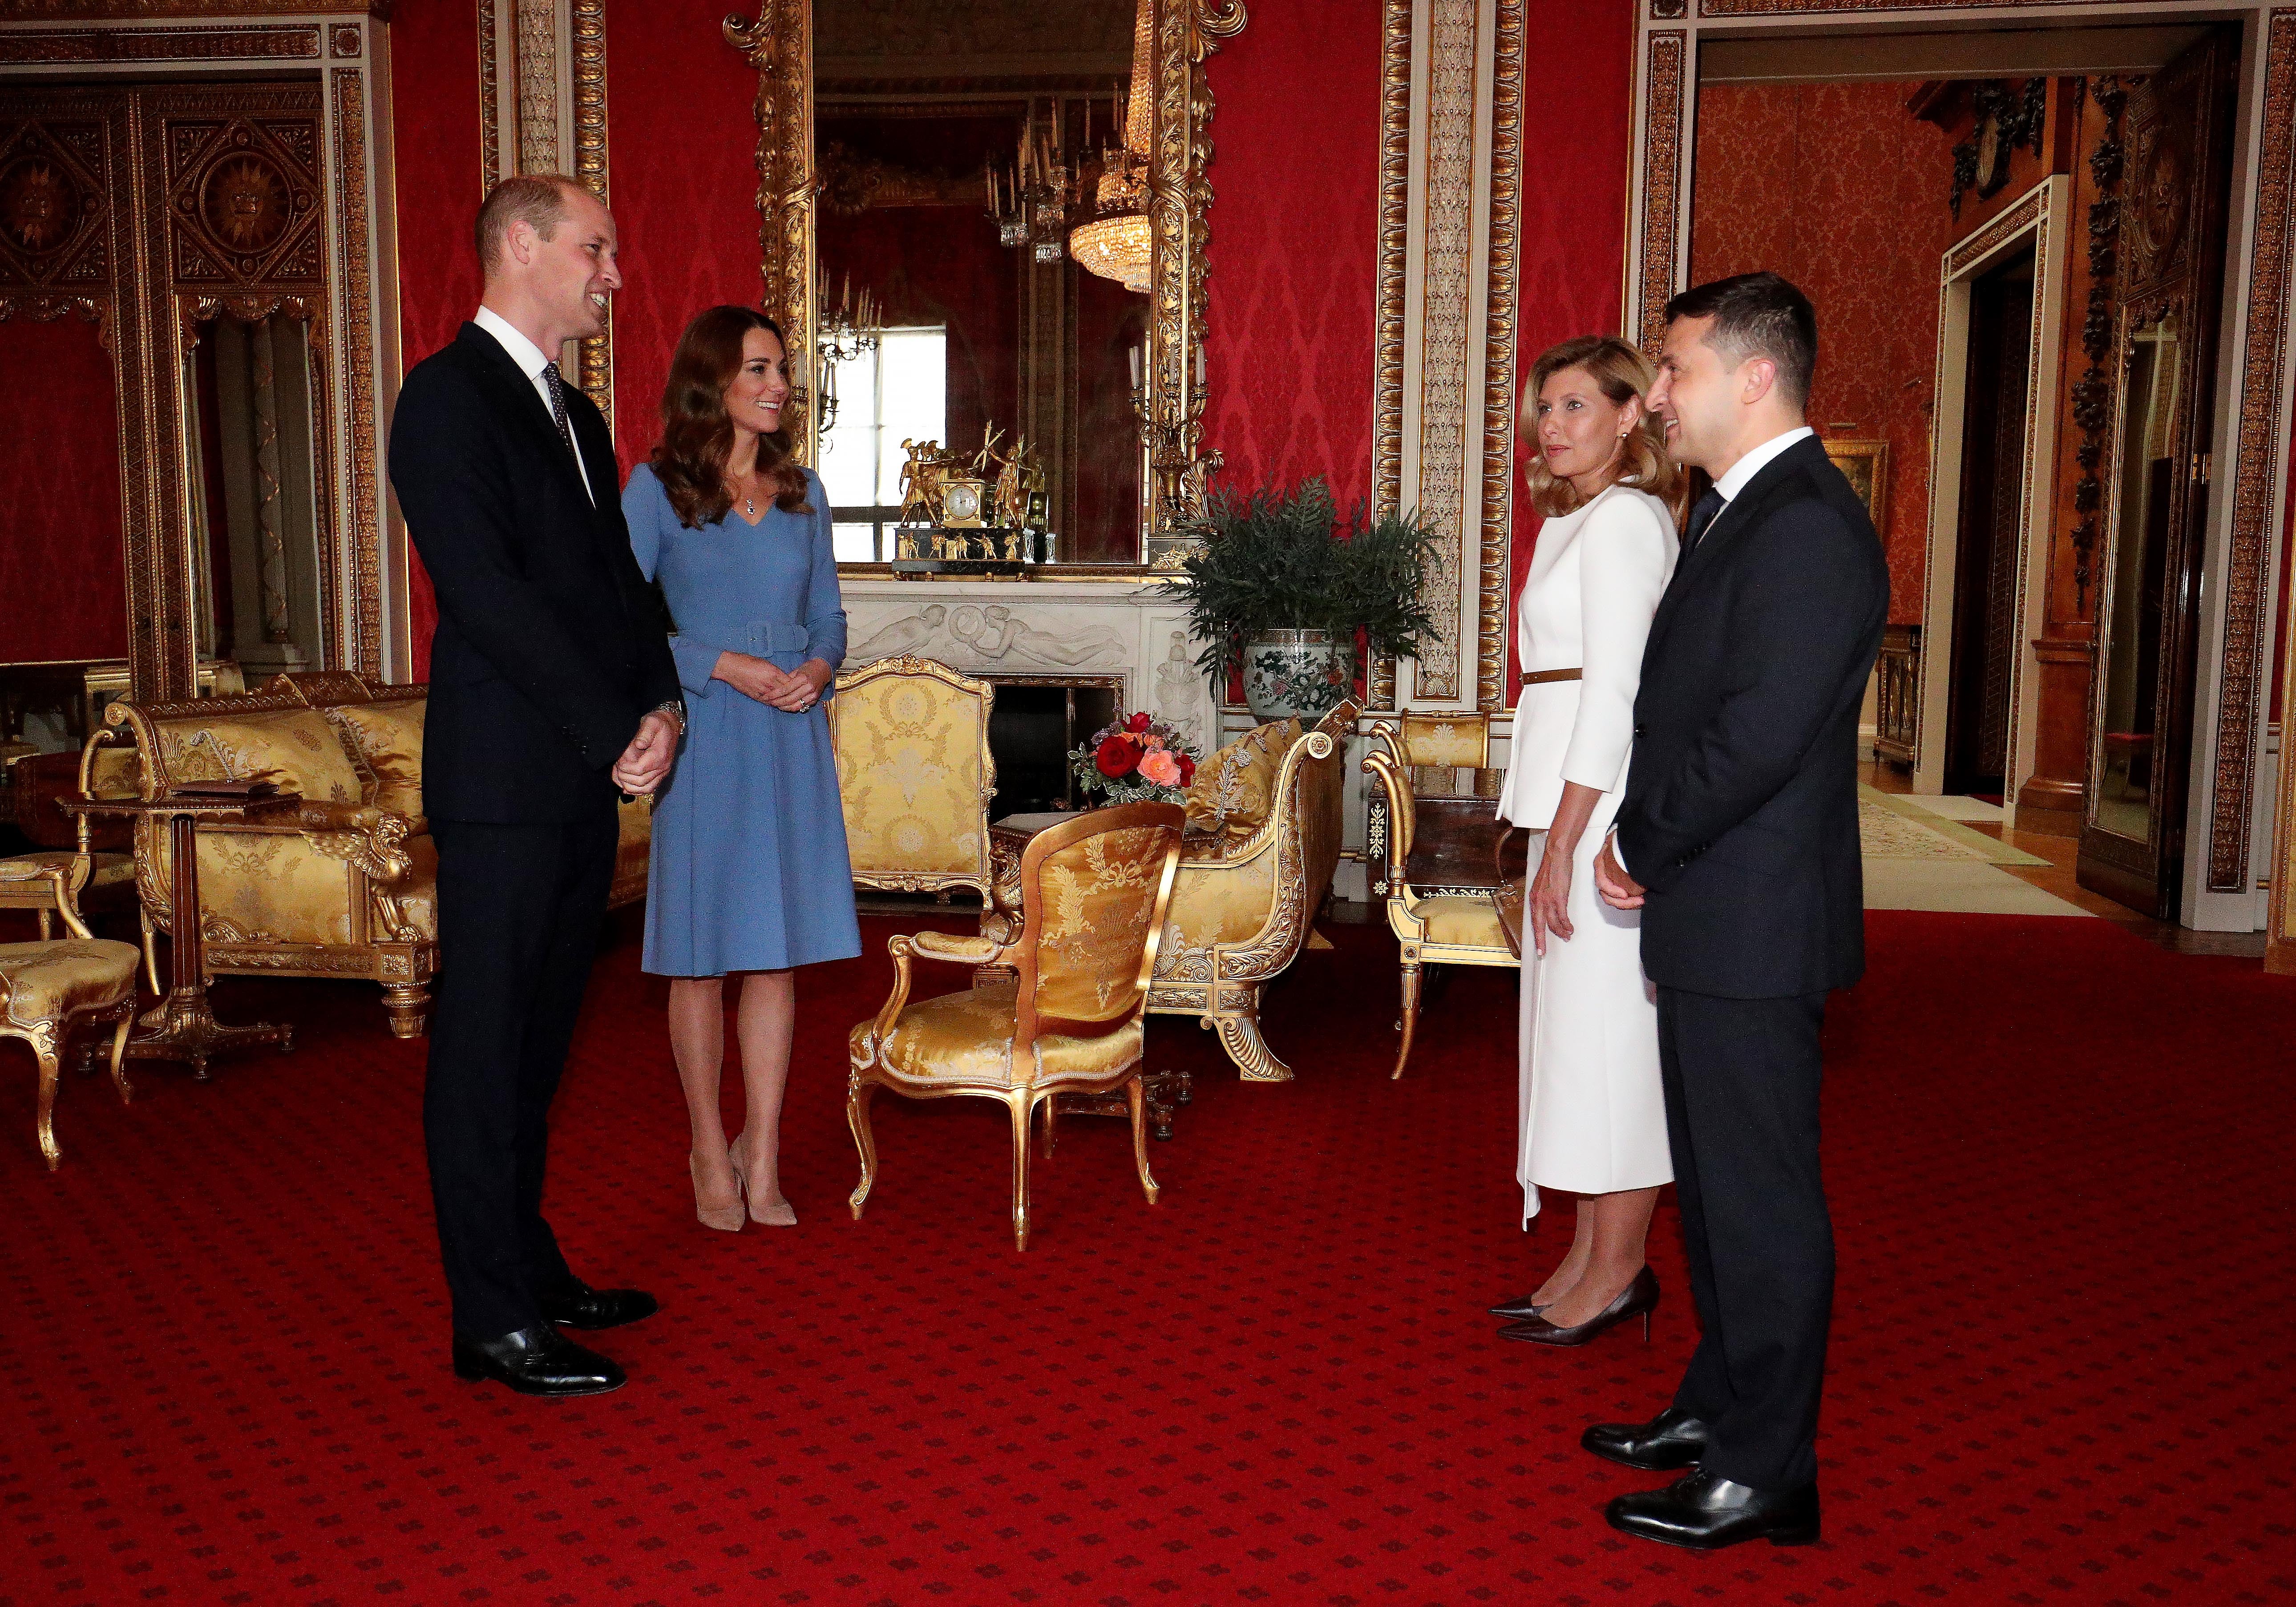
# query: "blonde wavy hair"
{"points": [[1619, 372]]}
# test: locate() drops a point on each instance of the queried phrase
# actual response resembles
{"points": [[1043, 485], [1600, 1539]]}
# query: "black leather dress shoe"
{"points": [[1673, 1439], [1704, 1512], [1516, 1311], [537, 1361], [583, 1307]]}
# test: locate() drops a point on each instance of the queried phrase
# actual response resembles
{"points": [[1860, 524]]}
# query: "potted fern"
{"points": [[1279, 591]]}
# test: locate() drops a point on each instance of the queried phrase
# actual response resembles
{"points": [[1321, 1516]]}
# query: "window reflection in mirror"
{"points": [[874, 403], [255, 516], [2150, 402]]}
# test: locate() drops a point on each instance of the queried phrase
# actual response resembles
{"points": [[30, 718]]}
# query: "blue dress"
{"points": [[750, 870]]}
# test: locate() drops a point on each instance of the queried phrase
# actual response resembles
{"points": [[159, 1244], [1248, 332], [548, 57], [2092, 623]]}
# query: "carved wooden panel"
{"points": [[243, 188], [55, 219]]}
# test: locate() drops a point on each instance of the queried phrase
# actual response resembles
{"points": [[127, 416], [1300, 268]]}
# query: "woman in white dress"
{"points": [[1593, 1120]]}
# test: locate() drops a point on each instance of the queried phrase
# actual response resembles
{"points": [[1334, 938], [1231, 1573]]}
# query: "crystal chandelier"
{"points": [[1116, 244]]}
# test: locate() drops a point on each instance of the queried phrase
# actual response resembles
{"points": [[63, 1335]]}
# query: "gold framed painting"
{"points": [[1866, 465]]}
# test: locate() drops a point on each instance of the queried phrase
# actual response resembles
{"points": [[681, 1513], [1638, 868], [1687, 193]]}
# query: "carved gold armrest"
{"points": [[954, 947], [1402, 806]]}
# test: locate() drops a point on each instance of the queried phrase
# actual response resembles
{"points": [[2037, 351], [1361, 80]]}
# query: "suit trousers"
{"points": [[519, 908], [1740, 1078]]}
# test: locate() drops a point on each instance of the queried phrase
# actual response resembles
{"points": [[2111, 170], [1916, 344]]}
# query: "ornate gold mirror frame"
{"points": [[778, 43]]}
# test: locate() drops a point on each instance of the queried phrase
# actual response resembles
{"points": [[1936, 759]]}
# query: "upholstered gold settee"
{"points": [[1264, 817], [345, 885]]}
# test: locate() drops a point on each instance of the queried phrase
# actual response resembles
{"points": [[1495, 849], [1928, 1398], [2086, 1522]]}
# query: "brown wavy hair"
{"points": [[697, 434], [1618, 372]]}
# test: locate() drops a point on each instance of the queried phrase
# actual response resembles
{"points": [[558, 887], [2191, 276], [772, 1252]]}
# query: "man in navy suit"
{"points": [[552, 687], [1737, 838]]}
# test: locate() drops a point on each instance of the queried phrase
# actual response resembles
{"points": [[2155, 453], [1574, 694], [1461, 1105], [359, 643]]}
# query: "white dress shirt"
{"points": [[1733, 481], [531, 362]]}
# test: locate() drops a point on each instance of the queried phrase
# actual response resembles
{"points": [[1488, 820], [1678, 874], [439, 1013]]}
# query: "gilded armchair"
{"points": [[1433, 925], [1250, 886], [914, 771], [1058, 1009], [1443, 755]]}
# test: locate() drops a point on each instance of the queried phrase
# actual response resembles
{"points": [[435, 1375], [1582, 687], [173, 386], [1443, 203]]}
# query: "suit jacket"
{"points": [[550, 647], [1741, 809]]}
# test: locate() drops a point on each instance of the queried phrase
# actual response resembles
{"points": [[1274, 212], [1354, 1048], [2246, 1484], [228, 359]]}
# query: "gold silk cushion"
{"points": [[261, 887], [1096, 899], [295, 750], [967, 1038], [1235, 789], [389, 739], [1448, 743], [48, 981], [908, 768], [1452, 919]]}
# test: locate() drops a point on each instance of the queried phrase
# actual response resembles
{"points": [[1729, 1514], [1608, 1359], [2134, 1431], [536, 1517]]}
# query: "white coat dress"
{"points": [[1592, 1120]]}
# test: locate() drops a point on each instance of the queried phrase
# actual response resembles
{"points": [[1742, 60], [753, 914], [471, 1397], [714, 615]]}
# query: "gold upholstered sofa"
{"points": [[345, 884], [1264, 820]]}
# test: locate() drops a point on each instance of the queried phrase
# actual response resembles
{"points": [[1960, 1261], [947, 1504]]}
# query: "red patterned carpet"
{"points": [[2059, 1161]]}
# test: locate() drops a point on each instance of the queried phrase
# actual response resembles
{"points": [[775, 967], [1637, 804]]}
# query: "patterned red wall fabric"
{"points": [[1577, 97], [63, 572], [1841, 188], [681, 150], [434, 101], [1294, 248]]}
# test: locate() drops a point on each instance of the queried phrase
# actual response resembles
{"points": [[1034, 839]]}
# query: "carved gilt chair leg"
{"points": [[119, 1052], [48, 926], [1408, 1022], [1052, 1110], [150, 949], [865, 1138], [1020, 1106], [46, 1045], [408, 1005], [1240, 1035], [1136, 1098]]}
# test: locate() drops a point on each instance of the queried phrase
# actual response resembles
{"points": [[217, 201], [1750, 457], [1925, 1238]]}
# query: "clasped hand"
{"points": [[646, 763], [791, 690]]}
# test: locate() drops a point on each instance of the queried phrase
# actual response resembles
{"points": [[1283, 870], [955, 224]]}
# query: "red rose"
{"points": [[1187, 769], [1138, 722], [1117, 758]]}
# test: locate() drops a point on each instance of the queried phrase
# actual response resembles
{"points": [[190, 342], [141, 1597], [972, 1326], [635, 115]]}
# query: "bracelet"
{"points": [[676, 709]]}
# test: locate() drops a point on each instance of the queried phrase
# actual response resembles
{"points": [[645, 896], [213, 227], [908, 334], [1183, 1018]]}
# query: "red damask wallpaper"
{"points": [[62, 565], [434, 101], [1577, 94], [1838, 187]]}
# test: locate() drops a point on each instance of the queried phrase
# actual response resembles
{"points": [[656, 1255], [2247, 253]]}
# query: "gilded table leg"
{"points": [[1137, 1098], [865, 1138], [1021, 1105], [1410, 1022]]}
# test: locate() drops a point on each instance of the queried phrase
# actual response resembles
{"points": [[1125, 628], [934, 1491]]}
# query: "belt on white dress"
{"points": [[1541, 677]]}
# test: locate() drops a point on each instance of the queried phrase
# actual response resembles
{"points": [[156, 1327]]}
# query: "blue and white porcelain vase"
{"points": [[1288, 673]]}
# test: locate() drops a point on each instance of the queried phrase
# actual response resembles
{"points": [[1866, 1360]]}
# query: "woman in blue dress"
{"points": [[749, 872]]}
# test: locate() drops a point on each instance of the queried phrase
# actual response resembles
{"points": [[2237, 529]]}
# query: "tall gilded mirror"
{"points": [[982, 225]]}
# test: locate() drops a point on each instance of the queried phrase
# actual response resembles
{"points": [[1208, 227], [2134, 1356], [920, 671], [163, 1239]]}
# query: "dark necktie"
{"points": [[565, 425], [1700, 517]]}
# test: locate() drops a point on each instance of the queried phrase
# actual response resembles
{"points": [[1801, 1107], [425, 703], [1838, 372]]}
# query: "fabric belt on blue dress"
{"points": [[769, 636]]}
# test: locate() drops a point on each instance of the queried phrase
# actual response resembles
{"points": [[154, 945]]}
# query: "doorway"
{"points": [[2170, 246], [1986, 638]]}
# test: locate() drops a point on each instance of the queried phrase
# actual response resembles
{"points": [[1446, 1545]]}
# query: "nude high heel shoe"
{"points": [[726, 1218], [781, 1213]]}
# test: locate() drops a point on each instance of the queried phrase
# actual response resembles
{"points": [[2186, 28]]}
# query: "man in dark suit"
{"points": [[551, 687], [1737, 839]]}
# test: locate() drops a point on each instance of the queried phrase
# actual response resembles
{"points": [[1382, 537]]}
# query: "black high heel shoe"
{"points": [[1638, 1299], [1516, 1311]]}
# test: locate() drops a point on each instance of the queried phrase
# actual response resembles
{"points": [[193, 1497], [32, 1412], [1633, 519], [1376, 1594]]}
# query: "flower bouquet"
{"points": [[1135, 760]]}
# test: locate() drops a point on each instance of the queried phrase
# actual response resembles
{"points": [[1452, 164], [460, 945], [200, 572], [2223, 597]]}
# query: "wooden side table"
{"points": [[182, 1026]]}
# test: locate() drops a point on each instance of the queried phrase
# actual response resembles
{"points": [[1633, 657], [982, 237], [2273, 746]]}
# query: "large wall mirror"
{"points": [[982, 225]]}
